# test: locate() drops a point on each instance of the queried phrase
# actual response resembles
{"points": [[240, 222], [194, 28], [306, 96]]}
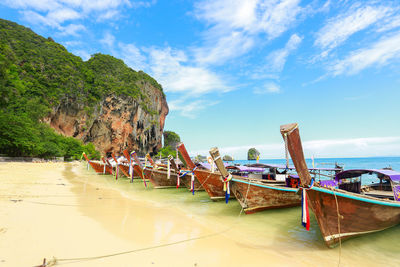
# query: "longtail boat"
{"points": [[343, 208], [212, 182], [255, 194], [158, 177], [119, 167], [98, 167], [133, 169], [185, 177]]}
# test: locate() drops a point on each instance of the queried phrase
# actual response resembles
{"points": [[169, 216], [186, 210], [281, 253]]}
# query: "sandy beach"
{"points": [[66, 212]]}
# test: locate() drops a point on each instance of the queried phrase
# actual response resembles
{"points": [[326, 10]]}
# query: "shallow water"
{"points": [[276, 230], [72, 212]]}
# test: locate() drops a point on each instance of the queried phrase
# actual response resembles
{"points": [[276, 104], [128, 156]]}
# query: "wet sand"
{"points": [[65, 211]]}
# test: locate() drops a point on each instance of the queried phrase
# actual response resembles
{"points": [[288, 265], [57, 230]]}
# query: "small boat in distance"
{"points": [[343, 207]]}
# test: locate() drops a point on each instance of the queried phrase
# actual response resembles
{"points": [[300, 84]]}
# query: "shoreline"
{"points": [[65, 211]]}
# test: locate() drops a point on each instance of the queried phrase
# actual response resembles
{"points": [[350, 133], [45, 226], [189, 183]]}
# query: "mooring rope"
{"points": [[201, 185], [245, 199], [55, 261], [340, 237]]}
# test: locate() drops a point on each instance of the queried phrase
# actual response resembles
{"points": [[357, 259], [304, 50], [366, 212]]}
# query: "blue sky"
{"points": [[234, 71]]}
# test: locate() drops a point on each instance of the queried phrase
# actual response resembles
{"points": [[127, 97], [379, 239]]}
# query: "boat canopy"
{"points": [[392, 175], [291, 167], [271, 166], [242, 168], [207, 166]]}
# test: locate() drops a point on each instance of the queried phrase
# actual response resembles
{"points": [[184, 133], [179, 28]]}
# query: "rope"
{"points": [[201, 185], [340, 238], [54, 261], [245, 199]]}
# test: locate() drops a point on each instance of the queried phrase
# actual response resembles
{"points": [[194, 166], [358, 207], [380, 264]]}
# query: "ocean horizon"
{"points": [[346, 163]]}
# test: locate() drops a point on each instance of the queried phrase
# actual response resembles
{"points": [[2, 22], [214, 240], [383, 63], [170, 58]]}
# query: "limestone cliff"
{"points": [[101, 100], [116, 122]]}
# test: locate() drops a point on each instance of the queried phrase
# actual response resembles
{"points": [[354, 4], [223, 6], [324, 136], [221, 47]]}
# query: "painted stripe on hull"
{"points": [[266, 186], [336, 236], [359, 198]]}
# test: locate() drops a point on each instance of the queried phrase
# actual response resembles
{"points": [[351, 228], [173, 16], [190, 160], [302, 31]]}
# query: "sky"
{"points": [[234, 71]]}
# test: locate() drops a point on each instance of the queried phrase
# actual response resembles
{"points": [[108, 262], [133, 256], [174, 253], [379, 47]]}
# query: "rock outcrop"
{"points": [[227, 158], [252, 154], [116, 122]]}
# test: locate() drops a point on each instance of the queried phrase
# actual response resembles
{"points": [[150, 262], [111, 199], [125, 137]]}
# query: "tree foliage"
{"points": [[252, 154], [171, 139], [37, 74]]}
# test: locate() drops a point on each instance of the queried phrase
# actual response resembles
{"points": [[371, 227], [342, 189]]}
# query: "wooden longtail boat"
{"points": [[341, 207], [184, 176], [212, 182], [137, 172], [258, 194], [98, 167], [121, 167], [158, 177]]}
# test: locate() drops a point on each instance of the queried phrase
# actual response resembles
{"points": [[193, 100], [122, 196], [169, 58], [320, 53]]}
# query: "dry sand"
{"points": [[47, 211]]}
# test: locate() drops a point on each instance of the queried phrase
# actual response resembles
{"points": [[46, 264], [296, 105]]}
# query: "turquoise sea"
{"points": [[346, 163]]}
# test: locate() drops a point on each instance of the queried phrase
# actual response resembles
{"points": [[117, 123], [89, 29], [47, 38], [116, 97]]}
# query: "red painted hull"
{"points": [[99, 168], [212, 183], [254, 197], [186, 181], [159, 178]]}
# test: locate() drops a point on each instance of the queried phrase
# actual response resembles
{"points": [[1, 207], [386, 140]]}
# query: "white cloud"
{"points": [[277, 59], [189, 108], [357, 147], [64, 14], [389, 24], [108, 40], [108, 15], [236, 25], [378, 54], [132, 56], [226, 47], [82, 53], [72, 29], [37, 19], [340, 28], [53, 13], [268, 88], [172, 69]]}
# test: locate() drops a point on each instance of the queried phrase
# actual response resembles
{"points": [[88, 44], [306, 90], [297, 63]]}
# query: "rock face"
{"points": [[116, 122], [227, 158], [252, 154]]}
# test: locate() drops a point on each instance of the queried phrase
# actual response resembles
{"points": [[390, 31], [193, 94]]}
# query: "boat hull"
{"points": [[186, 181], [99, 168], [159, 178], [254, 197], [125, 171], [358, 214], [212, 183]]}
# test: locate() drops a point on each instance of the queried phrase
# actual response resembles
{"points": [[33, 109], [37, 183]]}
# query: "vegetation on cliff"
{"points": [[37, 74], [252, 154], [171, 139]]}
